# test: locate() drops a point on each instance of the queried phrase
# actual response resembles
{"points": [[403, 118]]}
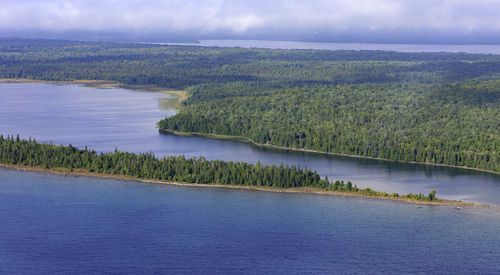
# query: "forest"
{"points": [[438, 108], [29, 152]]}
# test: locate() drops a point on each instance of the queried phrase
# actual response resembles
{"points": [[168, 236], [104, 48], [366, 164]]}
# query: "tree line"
{"points": [[178, 169], [455, 124], [439, 108]]}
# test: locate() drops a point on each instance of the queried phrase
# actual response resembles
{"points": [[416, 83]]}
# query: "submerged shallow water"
{"points": [[103, 119], [58, 224]]}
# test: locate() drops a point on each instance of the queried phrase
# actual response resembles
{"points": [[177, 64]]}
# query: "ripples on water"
{"points": [[87, 225], [56, 224]]}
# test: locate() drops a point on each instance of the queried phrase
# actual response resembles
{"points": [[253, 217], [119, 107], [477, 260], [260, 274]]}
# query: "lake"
{"points": [[105, 118], [479, 49], [56, 224], [68, 224]]}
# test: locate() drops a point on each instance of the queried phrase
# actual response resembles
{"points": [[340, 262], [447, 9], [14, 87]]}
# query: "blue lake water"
{"points": [[103, 119], [65, 224], [57, 224], [266, 44]]}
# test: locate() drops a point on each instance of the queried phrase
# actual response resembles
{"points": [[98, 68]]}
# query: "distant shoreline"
{"points": [[283, 148], [302, 190], [178, 94], [90, 83], [400, 47]]}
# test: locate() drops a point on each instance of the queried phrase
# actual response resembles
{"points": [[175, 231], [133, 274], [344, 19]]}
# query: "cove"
{"points": [[105, 118]]}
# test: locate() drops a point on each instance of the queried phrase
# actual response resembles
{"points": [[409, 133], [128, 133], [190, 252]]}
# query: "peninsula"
{"points": [[31, 155]]}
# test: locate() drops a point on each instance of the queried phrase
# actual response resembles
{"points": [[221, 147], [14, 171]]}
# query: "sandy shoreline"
{"points": [[302, 190], [282, 148], [179, 95]]}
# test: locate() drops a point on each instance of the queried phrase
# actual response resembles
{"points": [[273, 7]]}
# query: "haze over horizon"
{"points": [[376, 21]]}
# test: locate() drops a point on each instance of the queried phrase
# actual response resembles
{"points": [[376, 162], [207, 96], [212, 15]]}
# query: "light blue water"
{"points": [[105, 118], [57, 224], [479, 49]]}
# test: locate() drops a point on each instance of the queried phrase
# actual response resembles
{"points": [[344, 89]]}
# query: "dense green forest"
{"points": [[179, 169], [440, 108]]}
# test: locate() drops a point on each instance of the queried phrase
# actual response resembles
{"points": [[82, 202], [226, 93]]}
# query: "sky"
{"points": [[426, 21]]}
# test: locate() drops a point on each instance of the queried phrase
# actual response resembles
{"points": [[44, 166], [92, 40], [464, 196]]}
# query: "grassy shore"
{"points": [[301, 190], [174, 102], [283, 148]]}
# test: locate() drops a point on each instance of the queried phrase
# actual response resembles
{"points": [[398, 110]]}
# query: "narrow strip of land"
{"points": [[181, 95], [299, 190]]}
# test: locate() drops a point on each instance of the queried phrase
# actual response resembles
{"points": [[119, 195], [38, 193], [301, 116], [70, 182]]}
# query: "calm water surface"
{"points": [[480, 49], [56, 224], [105, 118]]}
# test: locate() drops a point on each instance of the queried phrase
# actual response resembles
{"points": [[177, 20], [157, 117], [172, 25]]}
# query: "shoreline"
{"points": [[303, 190], [183, 95], [178, 95], [90, 83], [283, 148]]}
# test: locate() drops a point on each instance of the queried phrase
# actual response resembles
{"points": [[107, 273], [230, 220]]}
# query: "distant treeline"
{"points": [[254, 70], [440, 108], [178, 169]]}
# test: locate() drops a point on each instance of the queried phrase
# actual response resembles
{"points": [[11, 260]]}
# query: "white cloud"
{"points": [[207, 16]]}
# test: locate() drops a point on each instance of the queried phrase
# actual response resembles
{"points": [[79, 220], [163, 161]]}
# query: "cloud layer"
{"points": [[240, 17]]}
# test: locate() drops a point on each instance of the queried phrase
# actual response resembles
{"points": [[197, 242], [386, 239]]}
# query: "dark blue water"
{"points": [[479, 49], [105, 118], [57, 224]]}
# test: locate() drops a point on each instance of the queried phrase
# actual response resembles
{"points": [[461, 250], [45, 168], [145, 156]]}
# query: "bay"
{"points": [[107, 118], [53, 224]]}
